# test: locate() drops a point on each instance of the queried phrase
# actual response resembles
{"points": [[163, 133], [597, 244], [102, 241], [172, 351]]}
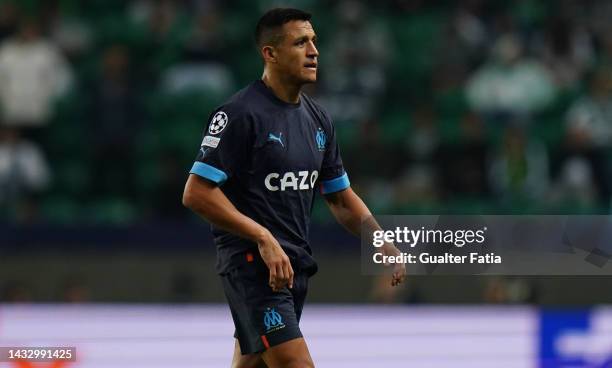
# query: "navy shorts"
{"points": [[262, 317]]}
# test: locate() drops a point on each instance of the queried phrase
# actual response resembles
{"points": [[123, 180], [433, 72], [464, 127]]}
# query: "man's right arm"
{"points": [[208, 201]]}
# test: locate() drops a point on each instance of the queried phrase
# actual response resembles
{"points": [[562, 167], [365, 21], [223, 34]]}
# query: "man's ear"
{"points": [[269, 54]]}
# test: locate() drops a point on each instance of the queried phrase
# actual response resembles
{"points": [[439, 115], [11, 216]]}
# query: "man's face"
{"points": [[297, 54]]}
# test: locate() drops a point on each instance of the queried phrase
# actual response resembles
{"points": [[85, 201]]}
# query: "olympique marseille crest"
{"points": [[273, 320], [218, 123], [321, 138]]}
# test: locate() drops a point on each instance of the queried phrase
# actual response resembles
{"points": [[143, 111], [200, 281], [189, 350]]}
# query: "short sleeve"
{"points": [[333, 177], [225, 145]]}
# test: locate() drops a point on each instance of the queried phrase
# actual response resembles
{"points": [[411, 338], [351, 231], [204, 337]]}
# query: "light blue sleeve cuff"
{"points": [[208, 172], [335, 185]]}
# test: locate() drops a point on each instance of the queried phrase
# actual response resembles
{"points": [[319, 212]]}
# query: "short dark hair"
{"points": [[268, 26]]}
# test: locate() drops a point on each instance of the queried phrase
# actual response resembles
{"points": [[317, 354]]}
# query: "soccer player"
{"points": [[264, 153]]}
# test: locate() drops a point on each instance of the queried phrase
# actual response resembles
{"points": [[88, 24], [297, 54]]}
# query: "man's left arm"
{"points": [[350, 211]]}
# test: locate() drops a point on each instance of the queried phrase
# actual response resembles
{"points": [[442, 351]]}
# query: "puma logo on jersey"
{"points": [[276, 138], [302, 180]]}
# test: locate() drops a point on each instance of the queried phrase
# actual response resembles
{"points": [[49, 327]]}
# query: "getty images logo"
{"points": [[301, 180]]}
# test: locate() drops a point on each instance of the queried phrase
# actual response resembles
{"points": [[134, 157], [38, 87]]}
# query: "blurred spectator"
{"points": [[589, 119], [495, 291], [423, 140], [365, 153], [16, 292], [214, 78], [582, 172], [171, 186], [354, 72], [418, 181], [418, 184], [9, 19], [510, 84], [116, 118], [468, 26], [575, 184], [183, 288], [462, 162], [24, 172], [463, 44], [205, 40], [32, 73], [72, 34], [159, 14], [501, 290], [74, 290], [597, 17], [165, 32], [567, 50], [368, 160], [519, 168], [201, 67]]}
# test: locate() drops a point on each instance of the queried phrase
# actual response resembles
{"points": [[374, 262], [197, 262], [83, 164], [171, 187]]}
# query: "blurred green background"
{"points": [[456, 106]]}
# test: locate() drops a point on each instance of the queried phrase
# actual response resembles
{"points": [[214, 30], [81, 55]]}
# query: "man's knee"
{"points": [[249, 363], [300, 363], [290, 354], [246, 361]]}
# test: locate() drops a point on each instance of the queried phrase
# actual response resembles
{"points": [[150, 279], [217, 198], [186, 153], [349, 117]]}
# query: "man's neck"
{"points": [[284, 90]]}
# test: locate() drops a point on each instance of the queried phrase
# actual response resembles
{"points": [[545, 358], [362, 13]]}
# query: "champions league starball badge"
{"points": [[218, 123]]}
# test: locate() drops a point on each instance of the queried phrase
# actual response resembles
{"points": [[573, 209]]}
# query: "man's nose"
{"points": [[312, 50]]}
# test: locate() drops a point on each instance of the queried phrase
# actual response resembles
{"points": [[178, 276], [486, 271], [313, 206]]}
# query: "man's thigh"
{"points": [[290, 354], [248, 360], [263, 318]]}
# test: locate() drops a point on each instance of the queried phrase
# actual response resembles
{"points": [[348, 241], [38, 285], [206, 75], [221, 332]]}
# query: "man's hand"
{"points": [[352, 213], [399, 269], [207, 200], [281, 272]]}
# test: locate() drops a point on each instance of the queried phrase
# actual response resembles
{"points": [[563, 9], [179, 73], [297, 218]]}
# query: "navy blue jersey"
{"points": [[268, 157]]}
